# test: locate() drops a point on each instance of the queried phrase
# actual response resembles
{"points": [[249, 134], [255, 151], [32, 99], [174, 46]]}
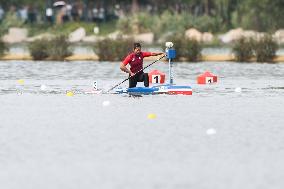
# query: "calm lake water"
{"points": [[216, 138]]}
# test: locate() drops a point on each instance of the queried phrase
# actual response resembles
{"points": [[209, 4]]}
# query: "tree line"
{"points": [[261, 15]]}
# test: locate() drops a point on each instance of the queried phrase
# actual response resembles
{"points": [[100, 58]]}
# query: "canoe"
{"points": [[160, 89]]}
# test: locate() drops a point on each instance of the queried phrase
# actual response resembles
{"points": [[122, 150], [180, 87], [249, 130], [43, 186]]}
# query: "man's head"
{"points": [[137, 48]]}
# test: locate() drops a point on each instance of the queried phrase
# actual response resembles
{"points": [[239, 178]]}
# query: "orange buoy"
{"points": [[206, 78], [156, 77]]}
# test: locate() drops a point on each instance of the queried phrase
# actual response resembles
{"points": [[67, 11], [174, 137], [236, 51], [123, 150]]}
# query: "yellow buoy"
{"points": [[21, 81], [152, 116], [69, 93]]}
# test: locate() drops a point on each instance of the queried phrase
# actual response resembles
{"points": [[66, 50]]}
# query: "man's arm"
{"points": [[124, 69], [147, 54], [123, 65], [156, 54]]}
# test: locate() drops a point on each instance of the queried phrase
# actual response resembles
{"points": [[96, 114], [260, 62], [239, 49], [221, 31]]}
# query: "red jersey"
{"points": [[136, 61]]}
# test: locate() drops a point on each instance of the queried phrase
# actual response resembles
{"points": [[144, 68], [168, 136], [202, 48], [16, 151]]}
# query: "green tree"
{"points": [[261, 15]]}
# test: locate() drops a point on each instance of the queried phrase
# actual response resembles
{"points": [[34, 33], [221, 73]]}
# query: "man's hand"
{"points": [[131, 74]]}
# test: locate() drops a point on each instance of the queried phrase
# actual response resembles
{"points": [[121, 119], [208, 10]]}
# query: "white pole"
{"points": [[171, 78], [169, 45]]}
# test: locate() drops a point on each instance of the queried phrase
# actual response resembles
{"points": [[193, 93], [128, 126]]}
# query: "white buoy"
{"points": [[238, 90], [211, 131], [95, 85], [106, 103], [43, 87], [169, 44]]}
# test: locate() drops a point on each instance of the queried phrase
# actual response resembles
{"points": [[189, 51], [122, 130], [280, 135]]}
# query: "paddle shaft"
{"points": [[136, 73]]}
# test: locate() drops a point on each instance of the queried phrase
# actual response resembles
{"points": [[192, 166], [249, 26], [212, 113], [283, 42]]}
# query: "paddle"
{"points": [[135, 73]]}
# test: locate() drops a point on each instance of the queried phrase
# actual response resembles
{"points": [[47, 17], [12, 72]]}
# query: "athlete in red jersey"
{"points": [[135, 60]]}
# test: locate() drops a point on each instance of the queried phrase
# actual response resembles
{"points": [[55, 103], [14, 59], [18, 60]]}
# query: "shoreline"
{"points": [[93, 57]]}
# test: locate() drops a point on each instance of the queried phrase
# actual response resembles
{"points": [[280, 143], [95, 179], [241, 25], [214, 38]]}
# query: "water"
{"points": [[216, 138]]}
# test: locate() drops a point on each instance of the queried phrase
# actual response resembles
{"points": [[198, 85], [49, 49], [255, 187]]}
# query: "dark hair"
{"points": [[136, 45]]}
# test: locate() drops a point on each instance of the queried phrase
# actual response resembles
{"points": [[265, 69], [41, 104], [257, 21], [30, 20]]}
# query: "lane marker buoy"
{"points": [[156, 77], [238, 90], [69, 93], [206, 78], [43, 87], [21, 81], [106, 103], [211, 131], [152, 116]]}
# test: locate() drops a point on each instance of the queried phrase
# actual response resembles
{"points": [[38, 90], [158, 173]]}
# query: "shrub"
{"points": [[145, 22], [265, 49], [187, 48], [138, 23], [61, 29], [169, 23], [243, 49], [3, 47], [113, 49], [39, 49], [207, 23], [124, 25], [10, 20], [59, 48]]}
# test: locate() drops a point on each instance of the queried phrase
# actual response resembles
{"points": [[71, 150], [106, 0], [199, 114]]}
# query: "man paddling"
{"points": [[135, 60]]}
